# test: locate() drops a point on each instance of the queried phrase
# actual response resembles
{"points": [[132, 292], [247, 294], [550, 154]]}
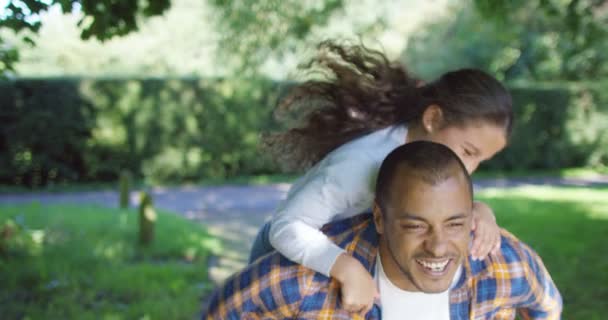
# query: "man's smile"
{"points": [[435, 267]]}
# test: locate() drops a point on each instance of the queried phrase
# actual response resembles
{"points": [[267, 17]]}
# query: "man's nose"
{"points": [[437, 244]]}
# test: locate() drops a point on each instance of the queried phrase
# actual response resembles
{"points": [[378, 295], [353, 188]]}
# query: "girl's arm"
{"points": [[339, 184], [486, 236], [331, 188]]}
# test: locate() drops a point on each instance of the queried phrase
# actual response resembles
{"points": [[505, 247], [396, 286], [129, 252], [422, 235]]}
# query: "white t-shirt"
{"points": [[341, 185], [401, 304]]}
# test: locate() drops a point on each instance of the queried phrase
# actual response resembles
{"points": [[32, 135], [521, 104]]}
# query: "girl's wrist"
{"points": [[342, 267]]}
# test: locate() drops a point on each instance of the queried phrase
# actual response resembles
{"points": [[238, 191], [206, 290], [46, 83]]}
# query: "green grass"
{"points": [[564, 173], [568, 228], [83, 262]]}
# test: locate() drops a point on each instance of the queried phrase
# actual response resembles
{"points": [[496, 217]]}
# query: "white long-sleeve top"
{"points": [[341, 185]]}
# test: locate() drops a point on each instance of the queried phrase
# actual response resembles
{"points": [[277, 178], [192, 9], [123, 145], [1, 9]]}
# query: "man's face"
{"points": [[424, 232]]}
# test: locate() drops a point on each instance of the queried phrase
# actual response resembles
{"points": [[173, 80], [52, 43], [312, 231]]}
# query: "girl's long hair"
{"points": [[361, 91]]}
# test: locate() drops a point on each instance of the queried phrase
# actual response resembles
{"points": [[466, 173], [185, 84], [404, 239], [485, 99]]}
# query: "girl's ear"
{"points": [[432, 118], [378, 220]]}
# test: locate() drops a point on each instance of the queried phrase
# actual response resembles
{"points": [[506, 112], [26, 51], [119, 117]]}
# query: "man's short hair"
{"points": [[428, 161]]}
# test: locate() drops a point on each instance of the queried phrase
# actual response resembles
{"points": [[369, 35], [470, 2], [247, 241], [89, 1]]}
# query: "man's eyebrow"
{"points": [[409, 216], [457, 216]]}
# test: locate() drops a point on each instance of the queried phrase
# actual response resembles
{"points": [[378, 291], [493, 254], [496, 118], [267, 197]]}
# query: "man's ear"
{"points": [[432, 118], [378, 220]]}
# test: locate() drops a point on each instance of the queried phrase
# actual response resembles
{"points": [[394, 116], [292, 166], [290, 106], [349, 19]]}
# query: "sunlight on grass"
{"points": [[567, 227], [83, 262]]}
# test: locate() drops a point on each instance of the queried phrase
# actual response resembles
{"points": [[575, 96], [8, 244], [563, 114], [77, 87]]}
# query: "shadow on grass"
{"points": [[84, 262], [570, 237]]}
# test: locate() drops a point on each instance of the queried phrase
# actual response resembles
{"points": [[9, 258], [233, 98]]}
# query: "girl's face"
{"points": [[473, 143]]}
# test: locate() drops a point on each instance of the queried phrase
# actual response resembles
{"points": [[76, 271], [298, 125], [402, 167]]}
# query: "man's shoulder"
{"points": [[512, 256], [254, 287], [513, 278], [277, 285], [272, 284], [512, 249], [513, 265]]}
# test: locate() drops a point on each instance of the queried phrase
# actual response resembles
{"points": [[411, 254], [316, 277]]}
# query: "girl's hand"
{"points": [[358, 288], [486, 232]]}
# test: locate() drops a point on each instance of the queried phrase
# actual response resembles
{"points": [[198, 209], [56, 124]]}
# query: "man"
{"points": [[416, 245]]}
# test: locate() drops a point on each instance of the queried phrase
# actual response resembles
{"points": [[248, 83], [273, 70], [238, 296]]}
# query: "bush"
{"points": [[557, 126], [56, 130], [44, 131]]}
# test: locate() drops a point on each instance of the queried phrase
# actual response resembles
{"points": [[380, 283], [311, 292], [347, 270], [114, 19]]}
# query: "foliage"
{"points": [[537, 40], [225, 36], [574, 33], [178, 130], [166, 130], [524, 44], [463, 39], [100, 19], [181, 42], [545, 40], [557, 126], [567, 227], [290, 21], [82, 262], [44, 132]]}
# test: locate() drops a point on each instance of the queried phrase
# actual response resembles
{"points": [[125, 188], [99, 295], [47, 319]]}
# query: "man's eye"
{"points": [[412, 226], [456, 225], [468, 153]]}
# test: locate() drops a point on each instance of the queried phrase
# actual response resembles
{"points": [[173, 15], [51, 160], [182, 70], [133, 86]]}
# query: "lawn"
{"points": [[83, 262], [74, 262], [568, 227]]}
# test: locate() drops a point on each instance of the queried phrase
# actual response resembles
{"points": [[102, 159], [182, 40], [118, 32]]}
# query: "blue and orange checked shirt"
{"points": [[512, 281]]}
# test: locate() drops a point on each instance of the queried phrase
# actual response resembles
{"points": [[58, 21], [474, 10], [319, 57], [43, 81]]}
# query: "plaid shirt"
{"points": [[509, 282]]}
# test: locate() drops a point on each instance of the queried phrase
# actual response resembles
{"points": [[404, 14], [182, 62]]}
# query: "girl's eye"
{"points": [[468, 153], [456, 225]]}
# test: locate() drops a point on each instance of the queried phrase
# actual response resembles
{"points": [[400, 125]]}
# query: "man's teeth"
{"points": [[434, 266]]}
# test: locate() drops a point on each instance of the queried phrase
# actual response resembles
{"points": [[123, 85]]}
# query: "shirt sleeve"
{"points": [[544, 300], [254, 293], [339, 185]]}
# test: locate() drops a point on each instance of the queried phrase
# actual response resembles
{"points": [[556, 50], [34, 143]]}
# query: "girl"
{"points": [[363, 109]]}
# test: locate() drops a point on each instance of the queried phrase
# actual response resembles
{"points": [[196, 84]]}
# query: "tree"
{"points": [[575, 31], [288, 22], [572, 33], [461, 39], [543, 39], [524, 45], [102, 19], [181, 42]]}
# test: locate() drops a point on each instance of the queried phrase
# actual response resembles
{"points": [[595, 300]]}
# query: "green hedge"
{"points": [[55, 130], [557, 126]]}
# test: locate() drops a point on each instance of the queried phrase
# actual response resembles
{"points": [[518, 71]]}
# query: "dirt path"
{"points": [[235, 213]]}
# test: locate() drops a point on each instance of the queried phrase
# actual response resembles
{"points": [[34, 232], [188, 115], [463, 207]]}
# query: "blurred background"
{"points": [[121, 117]]}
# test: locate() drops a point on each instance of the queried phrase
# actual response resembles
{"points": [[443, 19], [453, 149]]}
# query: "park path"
{"points": [[235, 213]]}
